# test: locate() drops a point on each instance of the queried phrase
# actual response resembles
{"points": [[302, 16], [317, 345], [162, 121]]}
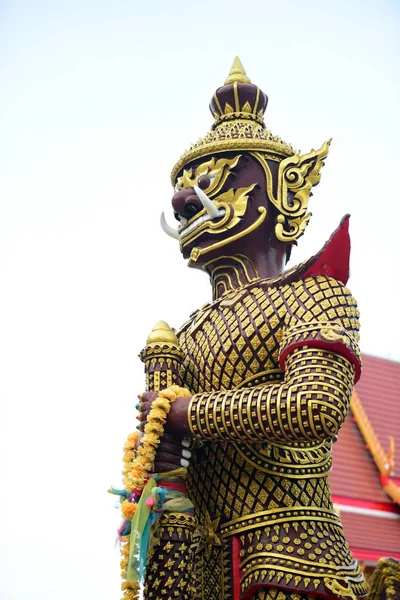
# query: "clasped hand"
{"points": [[172, 451]]}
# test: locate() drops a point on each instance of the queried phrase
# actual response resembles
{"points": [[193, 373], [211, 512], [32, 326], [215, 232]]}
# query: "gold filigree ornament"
{"points": [[205, 536], [196, 252], [218, 170], [297, 227], [338, 589], [385, 581], [234, 203], [333, 332], [296, 176]]}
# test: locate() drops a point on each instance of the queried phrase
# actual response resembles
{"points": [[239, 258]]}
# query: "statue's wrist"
{"points": [[178, 418]]}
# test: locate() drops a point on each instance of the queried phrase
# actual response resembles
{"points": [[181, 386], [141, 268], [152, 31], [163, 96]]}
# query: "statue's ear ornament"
{"points": [[297, 174], [297, 227]]}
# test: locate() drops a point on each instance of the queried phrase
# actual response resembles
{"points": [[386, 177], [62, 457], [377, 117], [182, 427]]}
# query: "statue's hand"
{"points": [[172, 453], [177, 420], [144, 407]]}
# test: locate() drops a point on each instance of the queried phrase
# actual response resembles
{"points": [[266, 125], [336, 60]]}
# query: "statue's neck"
{"points": [[233, 272]]}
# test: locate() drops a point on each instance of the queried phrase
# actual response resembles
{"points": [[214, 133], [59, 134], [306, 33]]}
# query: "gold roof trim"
{"points": [[383, 461]]}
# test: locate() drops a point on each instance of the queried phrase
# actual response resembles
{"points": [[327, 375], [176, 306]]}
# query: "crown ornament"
{"points": [[238, 109]]}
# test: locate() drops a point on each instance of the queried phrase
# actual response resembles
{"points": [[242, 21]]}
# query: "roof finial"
{"points": [[237, 73]]}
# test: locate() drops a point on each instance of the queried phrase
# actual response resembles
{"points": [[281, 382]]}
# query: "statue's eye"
{"points": [[177, 187], [204, 182]]}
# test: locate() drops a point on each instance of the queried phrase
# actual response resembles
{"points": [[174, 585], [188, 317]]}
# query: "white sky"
{"points": [[98, 100]]}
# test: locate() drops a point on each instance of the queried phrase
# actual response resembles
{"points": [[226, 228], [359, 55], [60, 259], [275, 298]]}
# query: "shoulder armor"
{"points": [[321, 313], [332, 260]]}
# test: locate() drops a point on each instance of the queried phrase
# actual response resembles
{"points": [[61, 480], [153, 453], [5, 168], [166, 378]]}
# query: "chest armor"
{"points": [[230, 344], [233, 342]]}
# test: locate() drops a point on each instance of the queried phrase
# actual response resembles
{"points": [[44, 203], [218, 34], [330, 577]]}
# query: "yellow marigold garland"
{"points": [[139, 455]]}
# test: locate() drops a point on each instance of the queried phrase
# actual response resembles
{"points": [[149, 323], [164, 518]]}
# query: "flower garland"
{"points": [[138, 458]]}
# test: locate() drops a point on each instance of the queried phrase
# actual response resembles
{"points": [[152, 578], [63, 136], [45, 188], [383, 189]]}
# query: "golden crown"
{"points": [[238, 109]]}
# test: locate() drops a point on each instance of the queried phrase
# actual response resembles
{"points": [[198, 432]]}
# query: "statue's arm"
{"points": [[320, 358], [311, 403]]}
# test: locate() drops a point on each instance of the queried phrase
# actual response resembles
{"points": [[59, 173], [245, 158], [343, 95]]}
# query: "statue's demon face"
{"points": [[219, 202]]}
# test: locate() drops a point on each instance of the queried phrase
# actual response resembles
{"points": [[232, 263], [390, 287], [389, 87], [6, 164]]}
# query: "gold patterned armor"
{"points": [[263, 432]]}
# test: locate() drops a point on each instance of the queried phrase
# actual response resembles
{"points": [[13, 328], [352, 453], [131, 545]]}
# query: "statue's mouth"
{"points": [[208, 215], [196, 222]]}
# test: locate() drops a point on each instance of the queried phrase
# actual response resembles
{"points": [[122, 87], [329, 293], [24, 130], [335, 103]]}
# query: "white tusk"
{"points": [[206, 202], [167, 228]]}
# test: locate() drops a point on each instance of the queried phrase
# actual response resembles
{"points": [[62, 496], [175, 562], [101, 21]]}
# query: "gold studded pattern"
{"points": [[226, 345], [234, 486], [276, 594], [211, 574], [169, 576], [322, 310], [302, 552], [311, 404]]}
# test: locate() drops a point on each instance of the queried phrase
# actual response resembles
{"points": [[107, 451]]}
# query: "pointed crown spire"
{"points": [[237, 73]]}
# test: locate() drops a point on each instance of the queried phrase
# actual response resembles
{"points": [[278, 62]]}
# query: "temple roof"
{"points": [[372, 538], [379, 391], [365, 480]]}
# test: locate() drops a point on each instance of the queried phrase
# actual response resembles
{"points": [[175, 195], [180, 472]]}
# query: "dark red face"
{"points": [[238, 214]]}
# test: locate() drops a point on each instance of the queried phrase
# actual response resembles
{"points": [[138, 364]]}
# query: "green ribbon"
{"points": [[139, 522]]}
